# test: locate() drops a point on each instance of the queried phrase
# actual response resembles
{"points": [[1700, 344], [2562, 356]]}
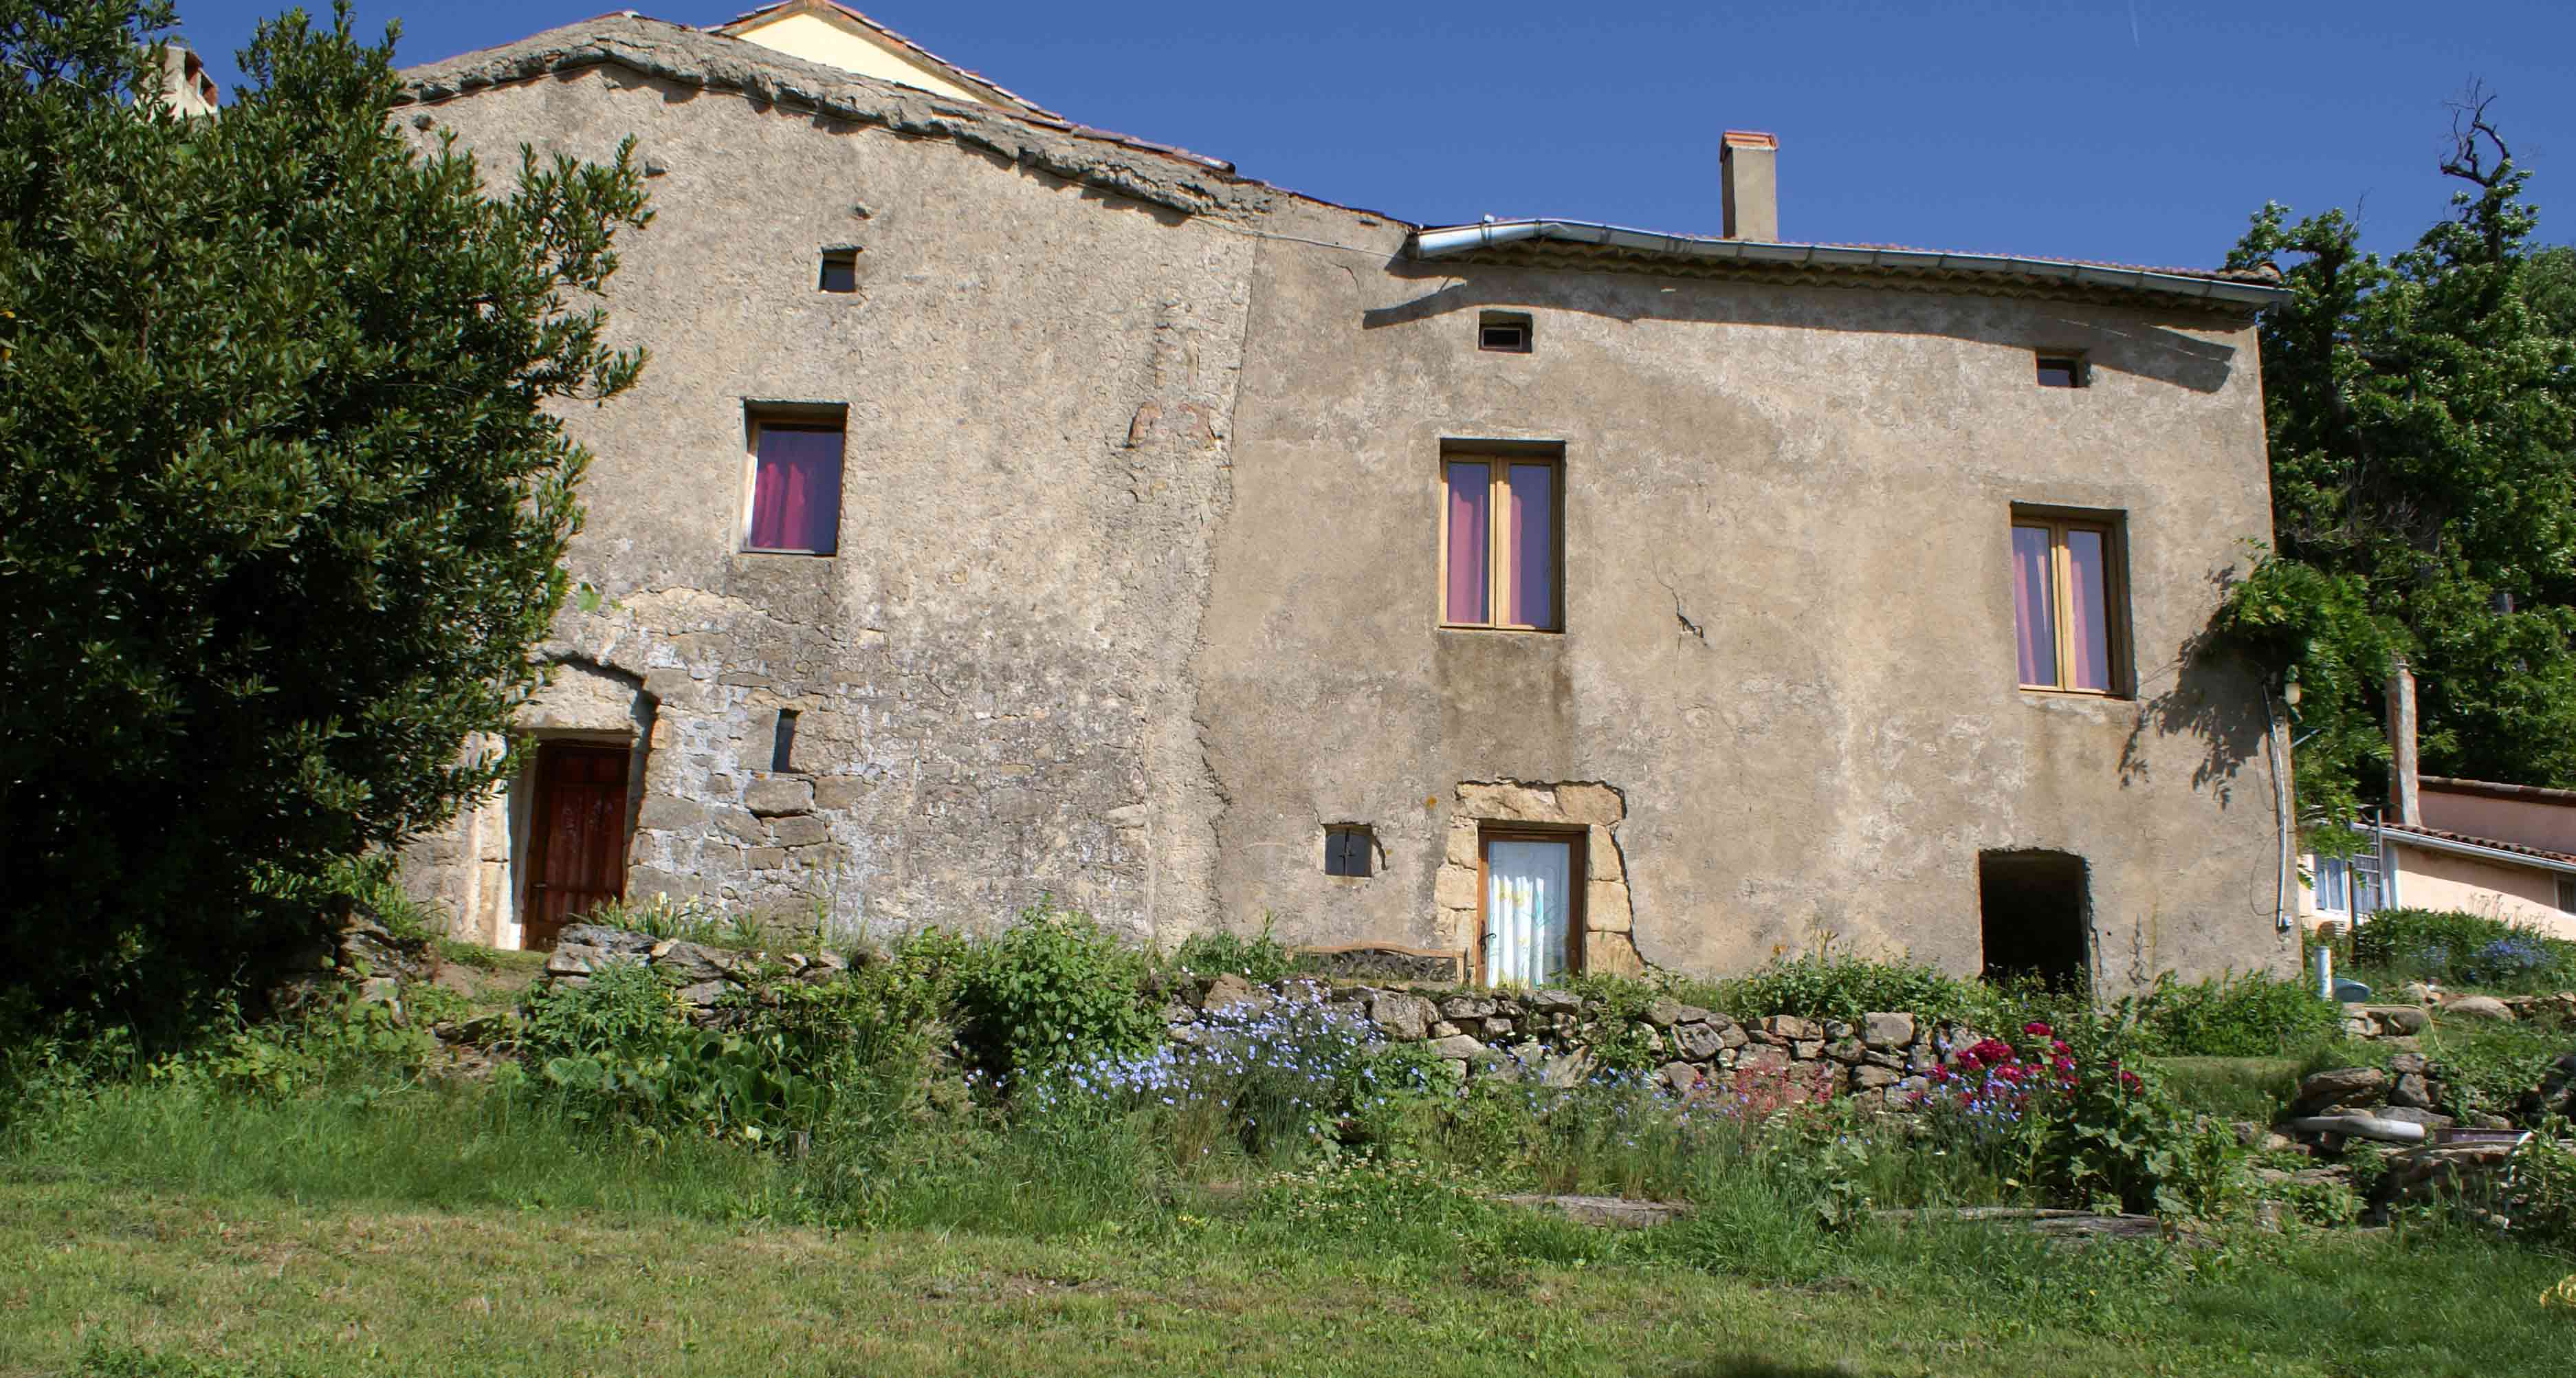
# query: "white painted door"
{"points": [[1529, 888]]}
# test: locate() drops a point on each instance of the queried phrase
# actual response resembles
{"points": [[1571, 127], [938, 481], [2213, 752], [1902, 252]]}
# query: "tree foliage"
{"points": [[284, 505], [2422, 413]]}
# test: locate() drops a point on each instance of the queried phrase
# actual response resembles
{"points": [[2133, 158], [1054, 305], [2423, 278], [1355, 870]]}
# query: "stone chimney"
{"points": [[2405, 803], [184, 82], [1749, 164]]}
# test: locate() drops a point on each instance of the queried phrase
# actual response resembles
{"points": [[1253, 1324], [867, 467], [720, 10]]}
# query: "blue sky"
{"points": [[2137, 131]]}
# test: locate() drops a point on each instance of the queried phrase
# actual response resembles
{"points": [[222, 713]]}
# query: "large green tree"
{"points": [[2422, 413], [285, 504]]}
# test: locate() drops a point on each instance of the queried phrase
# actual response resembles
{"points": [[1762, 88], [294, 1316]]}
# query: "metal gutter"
{"points": [[1461, 239]]}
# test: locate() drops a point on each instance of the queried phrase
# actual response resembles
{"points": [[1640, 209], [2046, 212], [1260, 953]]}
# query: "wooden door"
{"points": [[576, 838]]}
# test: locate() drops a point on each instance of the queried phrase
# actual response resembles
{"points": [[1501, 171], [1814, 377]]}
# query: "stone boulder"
{"points": [[1231, 993], [1887, 1031], [1402, 1016], [2340, 1086], [617, 941], [691, 963], [1697, 1042], [2477, 1007]]}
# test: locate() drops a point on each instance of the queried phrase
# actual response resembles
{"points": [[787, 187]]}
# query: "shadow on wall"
{"points": [[2214, 697], [2146, 351]]}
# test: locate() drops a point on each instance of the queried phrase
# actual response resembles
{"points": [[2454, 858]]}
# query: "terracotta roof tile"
{"points": [[2494, 844]]}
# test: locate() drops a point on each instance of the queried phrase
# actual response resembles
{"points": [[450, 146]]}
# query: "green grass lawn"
{"points": [[277, 1285]]}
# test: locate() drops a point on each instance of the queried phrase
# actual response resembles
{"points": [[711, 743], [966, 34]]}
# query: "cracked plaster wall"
{"points": [[1136, 585], [1789, 633], [991, 675]]}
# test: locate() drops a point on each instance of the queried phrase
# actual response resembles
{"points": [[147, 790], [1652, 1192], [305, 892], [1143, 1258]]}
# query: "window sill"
{"points": [[808, 554], [1489, 627], [2095, 695]]}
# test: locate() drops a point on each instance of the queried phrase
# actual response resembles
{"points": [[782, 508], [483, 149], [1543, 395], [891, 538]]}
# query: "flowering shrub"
{"points": [[2061, 1117], [1269, 1079], [2461, 949]]}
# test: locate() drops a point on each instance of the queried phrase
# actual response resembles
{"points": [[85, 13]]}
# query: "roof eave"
{"points": [[1444, 243]]}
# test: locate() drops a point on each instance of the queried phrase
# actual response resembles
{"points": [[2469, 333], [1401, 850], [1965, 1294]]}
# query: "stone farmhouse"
{"points": [[1015, 509]]}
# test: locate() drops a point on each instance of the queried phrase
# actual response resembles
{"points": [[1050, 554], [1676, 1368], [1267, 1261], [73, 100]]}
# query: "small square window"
{"points": [[1350, 849], [1504, 332], [2567, 893], [2063, 371], [841, 269], [795, 499]]}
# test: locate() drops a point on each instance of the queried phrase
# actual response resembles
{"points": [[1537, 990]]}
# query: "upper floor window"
{"points": [[1500, 552], [2067, 602], [795, 506]]}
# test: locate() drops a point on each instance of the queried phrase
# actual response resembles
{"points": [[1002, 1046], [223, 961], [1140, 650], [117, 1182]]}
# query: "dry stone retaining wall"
{"points": [[1556, 1036]]}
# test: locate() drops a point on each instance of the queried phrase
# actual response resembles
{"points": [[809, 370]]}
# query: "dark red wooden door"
{"points": [[577, 839]]}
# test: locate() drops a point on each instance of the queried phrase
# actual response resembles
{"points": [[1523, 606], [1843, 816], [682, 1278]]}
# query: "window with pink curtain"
{"points": [[1470, 525], [2062, 610], [796, 489], [2034, 599], [2088, 610], [1533, 544]]}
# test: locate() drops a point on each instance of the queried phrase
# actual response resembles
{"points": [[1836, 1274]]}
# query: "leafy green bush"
{"points": [[292, 562], [2543, 1204], [1621, 1040], [1261, 958], [2453, 948], [1832, 986], [338, 1041], [2249, 1015], [2487, 1069], [1054, 986]]}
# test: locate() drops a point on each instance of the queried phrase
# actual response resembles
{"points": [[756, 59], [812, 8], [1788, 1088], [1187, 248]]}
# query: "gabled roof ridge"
{"points": [[969, 73], [702, 58]]}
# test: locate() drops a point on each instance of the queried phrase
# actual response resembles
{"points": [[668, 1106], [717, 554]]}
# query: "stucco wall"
{"points": [[2550, 826], [991, 675], [1135, 584], [2428, 879], [1789, 624]]}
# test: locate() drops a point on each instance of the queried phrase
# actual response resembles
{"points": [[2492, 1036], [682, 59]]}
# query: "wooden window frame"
{"points": [[789, 416], [2061, 587], [1498, 462], [1579, 869], [2566, 893], [1507, 320]]}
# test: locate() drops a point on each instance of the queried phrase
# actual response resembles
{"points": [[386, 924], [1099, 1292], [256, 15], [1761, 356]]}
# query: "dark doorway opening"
{"points": [[577, 838], [2038, 916]]}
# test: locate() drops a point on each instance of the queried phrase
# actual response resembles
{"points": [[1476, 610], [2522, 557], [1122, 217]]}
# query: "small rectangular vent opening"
{"points": [[782, 747], [2063, 371], [840, 270], [1350, 849], [1504, 332]]}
